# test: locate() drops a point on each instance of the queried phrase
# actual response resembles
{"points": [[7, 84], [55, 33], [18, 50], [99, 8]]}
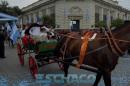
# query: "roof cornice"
{"points": [[112, 5], [36, 4], [39, 3]]}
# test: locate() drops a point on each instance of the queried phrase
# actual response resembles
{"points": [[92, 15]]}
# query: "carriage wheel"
{"points": [[20, 54], [33, 66], [61, 66]]}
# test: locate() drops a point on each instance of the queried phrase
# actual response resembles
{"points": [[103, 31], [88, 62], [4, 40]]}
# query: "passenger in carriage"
{"points": [[44, 34], [38, 33], [50, 32], [25, 36]]}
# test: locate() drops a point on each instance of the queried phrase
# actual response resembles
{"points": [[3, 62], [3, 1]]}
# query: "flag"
{"points": [[8, 27], [15, 33]]}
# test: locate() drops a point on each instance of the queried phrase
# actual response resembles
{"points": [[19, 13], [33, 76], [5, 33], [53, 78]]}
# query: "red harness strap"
{"points": [[83, 49]]}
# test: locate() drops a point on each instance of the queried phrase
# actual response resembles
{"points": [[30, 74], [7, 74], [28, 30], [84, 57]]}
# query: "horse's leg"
{"points": [[107, 78], [98, 78], [66, 67]]}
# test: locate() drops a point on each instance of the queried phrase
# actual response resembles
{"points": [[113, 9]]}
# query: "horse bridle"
{"points": [[112, 43]]}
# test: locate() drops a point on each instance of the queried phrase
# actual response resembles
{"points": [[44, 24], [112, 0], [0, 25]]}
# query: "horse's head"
{"points": [[123, 35]]}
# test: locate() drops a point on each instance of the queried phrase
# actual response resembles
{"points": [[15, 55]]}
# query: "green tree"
{"points": [[100, 24], [5, 8], [117, 23], [49, 20], [17, 10], [4, 4]]}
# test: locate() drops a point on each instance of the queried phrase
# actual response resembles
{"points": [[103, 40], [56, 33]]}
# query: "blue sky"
{"points": [[23, 3]]}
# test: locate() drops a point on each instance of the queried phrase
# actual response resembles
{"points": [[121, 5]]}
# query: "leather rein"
{"points": [[85, 40]]}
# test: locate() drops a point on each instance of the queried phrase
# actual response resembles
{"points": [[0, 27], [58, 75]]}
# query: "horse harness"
{"points": [[89, 36], [113, 44]]}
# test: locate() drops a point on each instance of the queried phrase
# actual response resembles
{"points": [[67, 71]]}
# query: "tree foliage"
{"points": [[5, 8], [49, 20], [117, 23], [100, 24]]}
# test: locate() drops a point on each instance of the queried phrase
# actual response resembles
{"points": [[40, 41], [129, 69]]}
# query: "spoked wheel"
{"points": [[20, 54], [33, 66], [61, 64]]}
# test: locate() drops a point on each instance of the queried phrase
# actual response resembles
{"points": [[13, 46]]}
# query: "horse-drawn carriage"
{"points": [[94, 51], [39, 51]]}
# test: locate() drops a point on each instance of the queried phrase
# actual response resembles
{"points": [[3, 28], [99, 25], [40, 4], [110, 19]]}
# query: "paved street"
{"points": [[12, 74]]}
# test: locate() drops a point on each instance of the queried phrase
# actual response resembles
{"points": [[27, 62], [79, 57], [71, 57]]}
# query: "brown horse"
{"points": [[99, 53]]}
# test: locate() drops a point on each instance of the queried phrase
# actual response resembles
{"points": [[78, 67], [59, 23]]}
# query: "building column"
{"points": [[29, 18], [126, 16], [47, 11], [21, 21], [108, 19], [116, 14], [34, 19], [101, 14], [25, 19], [40, 14], [91, 16]]}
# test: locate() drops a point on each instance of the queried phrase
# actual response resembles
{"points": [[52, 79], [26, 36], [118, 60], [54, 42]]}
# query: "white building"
{"points": [[75, 14]]}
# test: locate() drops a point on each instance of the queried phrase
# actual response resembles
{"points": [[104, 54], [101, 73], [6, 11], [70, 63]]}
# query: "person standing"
{"points": [[2, 49]]}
